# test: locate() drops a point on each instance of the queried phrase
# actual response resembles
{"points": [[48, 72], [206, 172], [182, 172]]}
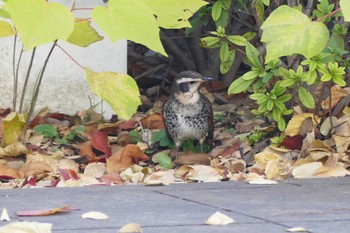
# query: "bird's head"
{"points": [[187, 83]]}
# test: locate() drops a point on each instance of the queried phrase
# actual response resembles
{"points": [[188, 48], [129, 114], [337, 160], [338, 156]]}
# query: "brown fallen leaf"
{"points": [[37, 164], [7, 172], [199, 173], [293, 126], [192, 158], [99, 141], [112, 178], [152, 121], [85, 149], [125, 157], [160, 178], [45, 212]]}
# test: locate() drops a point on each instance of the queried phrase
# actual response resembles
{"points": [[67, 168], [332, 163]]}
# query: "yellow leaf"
{"points": [[6, 29], [272, 170], [120, 91], [130, 227], [13, 150], [338, 171], [264, 157], [293, 127], [12, 127]]}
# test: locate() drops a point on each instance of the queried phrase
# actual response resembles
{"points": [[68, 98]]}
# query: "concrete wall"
{"points": [[64, 87]]}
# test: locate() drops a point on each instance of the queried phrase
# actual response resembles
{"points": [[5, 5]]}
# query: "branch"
{"points": [[176, 51]]}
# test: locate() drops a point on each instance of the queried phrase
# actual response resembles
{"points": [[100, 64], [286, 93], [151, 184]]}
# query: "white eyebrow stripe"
{"points": [[186, 80]]}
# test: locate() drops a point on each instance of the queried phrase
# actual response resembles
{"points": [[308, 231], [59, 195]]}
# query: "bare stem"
{"points": [[24, 89], [328, 15], [15, 77], [38, 83]]}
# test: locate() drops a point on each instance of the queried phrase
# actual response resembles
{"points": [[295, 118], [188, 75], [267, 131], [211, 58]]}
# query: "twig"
{"points": [[26, 80], [15, 77], [75, 61], [150, 71], [328, 15], [38, 83]]}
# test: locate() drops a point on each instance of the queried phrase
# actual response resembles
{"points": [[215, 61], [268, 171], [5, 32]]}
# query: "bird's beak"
{"points": [[207, 79]]}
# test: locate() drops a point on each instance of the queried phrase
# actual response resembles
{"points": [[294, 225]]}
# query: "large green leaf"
{"points": [[306, 98], [131, 20], [39, 22], [174, 14], [120, 91], [6, 29], [83, 34], [345, 9], [288, 31]]}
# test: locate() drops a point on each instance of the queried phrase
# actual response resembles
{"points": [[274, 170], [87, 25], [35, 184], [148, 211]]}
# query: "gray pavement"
{"points": [[319, 205]]}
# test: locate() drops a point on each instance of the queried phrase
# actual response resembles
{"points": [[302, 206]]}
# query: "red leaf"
{"points": [[293, 143], [68, 174], [99, 141]]}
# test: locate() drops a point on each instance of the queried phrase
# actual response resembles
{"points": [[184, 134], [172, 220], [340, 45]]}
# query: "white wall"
{"points": [[64, 88]]}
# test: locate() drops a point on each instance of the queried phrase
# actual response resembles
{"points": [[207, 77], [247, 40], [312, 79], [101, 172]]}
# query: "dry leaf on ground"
{"points": [[44, 212], [26, 227], [219, 219], [130, 228], [124, 158], [4, 215], [94, 215]]}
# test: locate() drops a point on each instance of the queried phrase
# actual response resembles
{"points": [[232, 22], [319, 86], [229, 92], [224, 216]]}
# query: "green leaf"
{"points": [[6, 29], [225, 66], [120, 91], [250, 75], [131, 20], [239, 85], [83, 34], [270, 105], [253, 55], [257, 96], [172, 14], [39, 22], [238, 40], [345, 9], [164, 160], [161, 137], [224, 51], [306, 98], [4, 14], [210, 42], [47, 130], [216, 10], [288, 31], [266, 2]]}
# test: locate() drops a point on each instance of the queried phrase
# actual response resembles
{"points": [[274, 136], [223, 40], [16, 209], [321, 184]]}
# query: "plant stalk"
{"points": [[26, 80]]}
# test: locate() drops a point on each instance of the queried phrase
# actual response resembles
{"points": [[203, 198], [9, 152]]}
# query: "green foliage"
{"points": [[118, 90], [288, 31], [345, 8], [225, 42], [161, 138], [39, 22], [83, 34], [164, 160], [47, 130], [6, 29]]}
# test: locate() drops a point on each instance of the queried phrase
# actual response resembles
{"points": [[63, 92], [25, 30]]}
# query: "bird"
{"points": [[187, 113]]}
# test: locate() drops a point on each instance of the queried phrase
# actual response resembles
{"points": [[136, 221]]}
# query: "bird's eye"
{"points": [[193, 82]]}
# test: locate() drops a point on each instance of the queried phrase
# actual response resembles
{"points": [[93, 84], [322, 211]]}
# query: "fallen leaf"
{"points": [[34, 227], [68, 174], [297, 229], [12, 128], [254, 178], [85, 149], [9, 172], [152, 121], [14, 149], [337, 93], [125, 157], [95, 169], [4, 215], [112, 178], [338, 171], [68, 164], [94, 215], [264, 157], [272, 170], [293, 143], [307, 170], [160, 178], [293, 126], [38, 164], [193, 158], [201, 173], [328, 125], [130, 227], [99, 141], [45, 212], [219, 219]]}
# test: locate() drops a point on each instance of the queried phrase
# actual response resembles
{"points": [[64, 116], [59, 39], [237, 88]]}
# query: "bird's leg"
{"points": [[177, 145], [201, 141]]}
